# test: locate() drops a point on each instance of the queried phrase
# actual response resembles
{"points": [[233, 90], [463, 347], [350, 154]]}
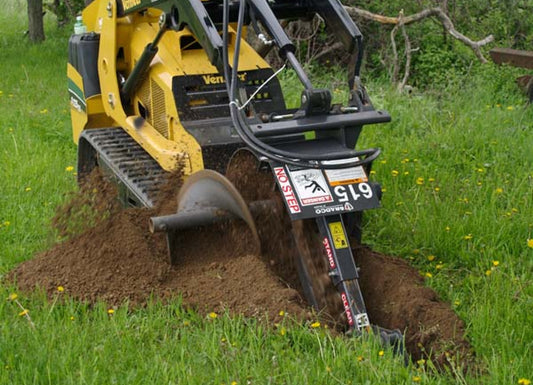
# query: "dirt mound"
{"points": [[118, 260], [396, 298]]}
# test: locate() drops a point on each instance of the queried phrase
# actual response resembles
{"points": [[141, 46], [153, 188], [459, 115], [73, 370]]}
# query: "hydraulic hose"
{"points": [[243, 129]]}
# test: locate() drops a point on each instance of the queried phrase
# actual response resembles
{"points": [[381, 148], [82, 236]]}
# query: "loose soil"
{"points": [[117, 259]]}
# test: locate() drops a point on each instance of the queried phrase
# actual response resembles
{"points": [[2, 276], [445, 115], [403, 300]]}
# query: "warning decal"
{"points": [[311, 187], [286, 189], [343, 176], [311, 193], [337, 233]]}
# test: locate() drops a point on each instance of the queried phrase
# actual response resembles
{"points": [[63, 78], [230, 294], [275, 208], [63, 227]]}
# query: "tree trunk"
{"points": [[35, 21]]}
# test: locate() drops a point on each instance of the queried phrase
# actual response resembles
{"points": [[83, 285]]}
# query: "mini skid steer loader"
{"points": [[152, 90]]}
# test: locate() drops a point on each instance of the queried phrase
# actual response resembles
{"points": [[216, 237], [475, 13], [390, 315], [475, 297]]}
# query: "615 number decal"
{"points": [[342, 192]]}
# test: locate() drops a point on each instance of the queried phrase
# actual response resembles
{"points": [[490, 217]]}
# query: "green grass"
{"points": [[472, 210]]}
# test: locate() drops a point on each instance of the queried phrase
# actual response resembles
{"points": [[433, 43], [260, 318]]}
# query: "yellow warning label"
{"points": [[337, 233]]}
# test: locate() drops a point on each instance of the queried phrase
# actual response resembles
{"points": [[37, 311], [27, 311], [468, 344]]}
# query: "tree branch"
{"points": [[437, 13]]}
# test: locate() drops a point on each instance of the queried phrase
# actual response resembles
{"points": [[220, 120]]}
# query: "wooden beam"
{"points": [[513, 57]]}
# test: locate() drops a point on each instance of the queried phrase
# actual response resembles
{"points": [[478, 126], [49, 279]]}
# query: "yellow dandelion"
{"points": [[488, 272], [110, 311], [431, 180], [383, 161], [186, 323], [468, 237], [499, 190], [328, 369], [429, 275], [498, 105], [510, 108], [439, 266], [281, 313], [419, 181], [406, 173], [282, 331], [360, 358], [223, 339], [495, 263], [213, 315], [383, 189], [524, 381], [468, 212], [381, 353], [372, 172], [60, 289], [456, 302], [13, 296], [27, 189], [431, 258], [69, 168], [233, 382], [44, 111], [421, 362], [480, 170], [447, 228], [315, 325], [437, 189], [24, 312], [514, 210], [479, 184], [530, 243], [395, 173], [72, 318], [7, 223], [417, 378]]}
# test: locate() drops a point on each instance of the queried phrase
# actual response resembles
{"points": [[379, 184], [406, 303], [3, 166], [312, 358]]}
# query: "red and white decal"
{"points": [[329, 253], [311, 186], [347, 309], [287, 191]]}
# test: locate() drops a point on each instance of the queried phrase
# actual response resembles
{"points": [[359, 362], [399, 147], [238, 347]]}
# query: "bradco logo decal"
{"points": [[329, 254], [287, 191], [215, 79], [348, 206], [329, 209]]}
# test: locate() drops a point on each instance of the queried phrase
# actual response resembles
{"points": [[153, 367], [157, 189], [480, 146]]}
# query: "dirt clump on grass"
{"points": [[117, 259]]}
